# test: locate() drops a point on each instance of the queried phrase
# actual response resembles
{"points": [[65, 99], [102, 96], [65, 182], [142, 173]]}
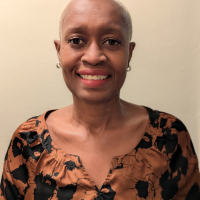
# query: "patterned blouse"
{"points": [[162, 166]]}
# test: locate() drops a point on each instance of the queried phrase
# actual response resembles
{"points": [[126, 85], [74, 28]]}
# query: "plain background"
{"points": [[165, 65]]}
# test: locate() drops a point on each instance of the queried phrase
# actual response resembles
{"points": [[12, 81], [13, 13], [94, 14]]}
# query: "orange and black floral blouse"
{"points": [[162, 166]]}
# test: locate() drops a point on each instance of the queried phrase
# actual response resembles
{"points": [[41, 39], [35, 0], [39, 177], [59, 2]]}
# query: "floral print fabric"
{"points": [[163, 166]]}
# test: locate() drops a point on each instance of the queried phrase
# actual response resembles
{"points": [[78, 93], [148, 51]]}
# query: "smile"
{"points": [[94, 77]]}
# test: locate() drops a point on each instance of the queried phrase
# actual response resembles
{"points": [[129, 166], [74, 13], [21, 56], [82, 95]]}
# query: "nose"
{"points": [[93, 55]]}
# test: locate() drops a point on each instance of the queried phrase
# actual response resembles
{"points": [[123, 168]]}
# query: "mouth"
{"points": [[94, 77]]}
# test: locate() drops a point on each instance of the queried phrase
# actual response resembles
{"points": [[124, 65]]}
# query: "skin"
{"points": [[97, 115]]}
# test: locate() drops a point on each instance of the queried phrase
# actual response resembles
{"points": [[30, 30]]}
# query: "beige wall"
{"points": [[166, 61]]}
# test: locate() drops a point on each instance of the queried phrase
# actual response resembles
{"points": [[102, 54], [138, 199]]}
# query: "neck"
{"points": [[96, 118]]}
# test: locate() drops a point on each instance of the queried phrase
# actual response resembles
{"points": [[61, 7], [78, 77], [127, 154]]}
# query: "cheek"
{"points": [[120, 62], [66, 77], [69, 57], [69, 62]]}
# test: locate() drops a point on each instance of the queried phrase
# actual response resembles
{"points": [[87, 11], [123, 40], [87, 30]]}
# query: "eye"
{"points": [[76, 41], [112, 42]]}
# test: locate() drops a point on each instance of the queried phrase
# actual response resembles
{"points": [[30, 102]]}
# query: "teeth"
{"points": [[95, 77]]}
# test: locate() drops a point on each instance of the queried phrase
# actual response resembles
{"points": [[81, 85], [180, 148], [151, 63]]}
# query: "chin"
{"points": [[93, 100], [97, 98]]}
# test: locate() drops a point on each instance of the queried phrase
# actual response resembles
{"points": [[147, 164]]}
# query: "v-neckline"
{"points": [[78, 159]]}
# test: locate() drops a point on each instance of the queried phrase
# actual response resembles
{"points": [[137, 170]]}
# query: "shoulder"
{"points": [[27, 145], [27, 141], [173, 134], [174, 141], [162, 120]]}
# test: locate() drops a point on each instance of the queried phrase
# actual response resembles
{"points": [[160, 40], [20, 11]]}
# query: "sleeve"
{"points": [[184, 160], [14, 178], [183, 169]]}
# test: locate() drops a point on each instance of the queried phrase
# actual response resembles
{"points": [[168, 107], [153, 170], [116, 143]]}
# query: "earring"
{"points": [[129, 69], [58, 65]]}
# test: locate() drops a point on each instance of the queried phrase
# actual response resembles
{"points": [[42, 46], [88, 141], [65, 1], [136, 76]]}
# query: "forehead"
{"points": [[94, 13], [95, 7]]}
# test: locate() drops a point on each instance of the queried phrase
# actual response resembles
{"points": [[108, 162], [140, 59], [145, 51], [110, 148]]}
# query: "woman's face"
{"points": [[94, 50]]}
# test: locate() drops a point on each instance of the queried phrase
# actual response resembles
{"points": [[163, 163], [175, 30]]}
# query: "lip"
{"points": [[94, 83], [93, 72]]}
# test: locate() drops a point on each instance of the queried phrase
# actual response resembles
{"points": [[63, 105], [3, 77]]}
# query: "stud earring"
{"points": [[58, 65], [129, 69]]}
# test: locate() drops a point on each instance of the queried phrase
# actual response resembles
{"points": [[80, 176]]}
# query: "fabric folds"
{"points": [[163, 166]]}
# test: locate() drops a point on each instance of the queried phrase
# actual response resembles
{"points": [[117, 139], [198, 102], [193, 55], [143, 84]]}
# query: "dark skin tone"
{"points": [[98, 125]]}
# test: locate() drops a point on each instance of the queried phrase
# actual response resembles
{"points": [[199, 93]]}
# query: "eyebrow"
{"points": [[103, 30], [111, 29], [76, 29]]}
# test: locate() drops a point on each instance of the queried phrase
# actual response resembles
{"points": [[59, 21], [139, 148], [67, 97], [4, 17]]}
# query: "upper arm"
{"points": [[184, 161], [14, 178], [182, 172]]}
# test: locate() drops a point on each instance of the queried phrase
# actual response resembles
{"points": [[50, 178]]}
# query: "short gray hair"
{"points": [[125, 14]]}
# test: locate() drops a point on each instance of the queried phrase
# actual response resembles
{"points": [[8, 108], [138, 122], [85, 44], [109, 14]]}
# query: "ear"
{"points": [[131, 48], [58, 46]]}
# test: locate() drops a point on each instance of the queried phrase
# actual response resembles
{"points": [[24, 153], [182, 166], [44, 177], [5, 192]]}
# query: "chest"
{"points": [[97, 167], [96, 155]]}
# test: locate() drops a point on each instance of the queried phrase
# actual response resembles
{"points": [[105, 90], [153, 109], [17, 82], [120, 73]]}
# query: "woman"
{"points": [[100, 147]]}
